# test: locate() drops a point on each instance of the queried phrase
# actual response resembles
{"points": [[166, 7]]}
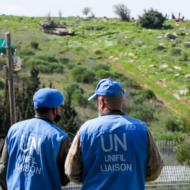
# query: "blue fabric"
{"points": [[47, 97], [114, 153], [33, 147], [107, 87]]}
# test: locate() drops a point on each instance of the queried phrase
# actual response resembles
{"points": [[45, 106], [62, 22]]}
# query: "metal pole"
{"points": [[10, 78]]}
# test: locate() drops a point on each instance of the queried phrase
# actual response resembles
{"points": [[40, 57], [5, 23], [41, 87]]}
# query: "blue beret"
{"points": [[47, 97]]}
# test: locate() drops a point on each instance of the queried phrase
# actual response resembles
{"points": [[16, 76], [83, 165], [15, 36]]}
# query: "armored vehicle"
{"points": [[52, 27]]}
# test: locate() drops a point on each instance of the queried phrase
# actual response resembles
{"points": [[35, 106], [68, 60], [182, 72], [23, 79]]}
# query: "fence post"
{"points": [[10, 78]]}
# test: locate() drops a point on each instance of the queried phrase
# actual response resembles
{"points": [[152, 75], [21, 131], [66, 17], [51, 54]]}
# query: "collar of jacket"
{"points": [[45, 118]]}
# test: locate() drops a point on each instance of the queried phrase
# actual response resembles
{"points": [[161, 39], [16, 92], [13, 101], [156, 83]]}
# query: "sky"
{"points": [[99, 7]]}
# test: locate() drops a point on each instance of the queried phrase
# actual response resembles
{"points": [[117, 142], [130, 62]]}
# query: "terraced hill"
{"points": [[138, 58]]}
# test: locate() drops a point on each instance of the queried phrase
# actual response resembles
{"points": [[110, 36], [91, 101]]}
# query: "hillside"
{"points": [[140, 59]]}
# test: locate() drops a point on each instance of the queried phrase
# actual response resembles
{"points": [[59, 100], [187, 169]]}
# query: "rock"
{"points": [[151, 65], [163, 66], [175, 67], [177, 74], [183, 91], [182, 29], [136, 23], [90, 28], [159, 37], [131, 54], [171, 36], [176, 24], [161, 43], [111, 57], [176, 96], [162, 80], [187, 75]]}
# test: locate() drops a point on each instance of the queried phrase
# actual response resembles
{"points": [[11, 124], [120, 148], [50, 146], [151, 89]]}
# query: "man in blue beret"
{"points": [[35, 150], [113, 151]]}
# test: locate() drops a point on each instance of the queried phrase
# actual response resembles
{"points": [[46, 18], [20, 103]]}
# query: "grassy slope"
{"points": [[117, 39]]}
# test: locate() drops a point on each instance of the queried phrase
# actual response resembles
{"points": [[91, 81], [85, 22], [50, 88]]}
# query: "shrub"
{"points": [[138, 99], [43, 69], [140, 112], [100, 66], [26, 52], [176, 51], [172, 124], [146, 93], [187, 45], [79, 97], [152, 19], [70, 65], [33, 61], [130, 82], [45, 57], [56, 67], [34, 44], [70, 88], [115, 75], [122, 11], [181, 34], [184, 55], [63, 60], [167, 136], [98, 52], [178, 41], [82, 74], [160, 48]]}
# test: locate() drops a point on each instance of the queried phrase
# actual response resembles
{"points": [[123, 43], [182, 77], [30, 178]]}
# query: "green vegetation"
{"points": [[152, 19], [142, 60]]}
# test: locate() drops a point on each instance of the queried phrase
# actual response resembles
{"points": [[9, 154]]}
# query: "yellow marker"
{"points": [[150, 101]]}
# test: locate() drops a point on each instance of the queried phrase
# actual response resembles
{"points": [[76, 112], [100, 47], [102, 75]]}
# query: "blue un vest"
{"points": [[33, 147], [114, 153]]}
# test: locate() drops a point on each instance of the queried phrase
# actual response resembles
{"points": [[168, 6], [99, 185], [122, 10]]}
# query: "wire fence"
{"points": [[173, 175]]}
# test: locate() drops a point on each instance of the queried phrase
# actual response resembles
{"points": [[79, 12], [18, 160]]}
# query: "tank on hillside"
{"points": [[52, 27]]}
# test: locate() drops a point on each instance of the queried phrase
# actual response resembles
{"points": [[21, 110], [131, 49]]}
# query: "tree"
{"points": [[5, 113], [49, 17], [24, 97], [60, 15], [152, 19], [68, 122], [122, 11], [86, 10], [173, 16], [182, 137]]}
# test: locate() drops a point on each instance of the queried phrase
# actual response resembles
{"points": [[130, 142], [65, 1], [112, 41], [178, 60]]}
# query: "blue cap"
{"points": [[107, 87], [48, 97]]}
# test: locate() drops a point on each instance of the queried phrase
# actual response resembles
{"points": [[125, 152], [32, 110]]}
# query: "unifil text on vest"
{"points": [[115, 162]]}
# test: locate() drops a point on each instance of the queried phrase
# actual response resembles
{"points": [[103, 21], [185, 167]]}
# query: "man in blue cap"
{"points": [[35, 150], [113, 151]]}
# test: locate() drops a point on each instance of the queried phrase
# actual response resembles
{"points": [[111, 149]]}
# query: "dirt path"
{"points": [[143, 85]]}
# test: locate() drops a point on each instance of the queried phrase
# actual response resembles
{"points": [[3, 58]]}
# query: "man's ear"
{"points": [[102, 103], [54, 111]]}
